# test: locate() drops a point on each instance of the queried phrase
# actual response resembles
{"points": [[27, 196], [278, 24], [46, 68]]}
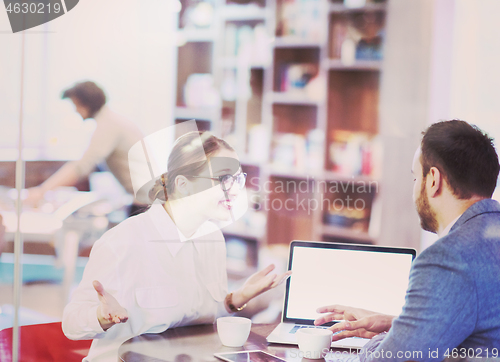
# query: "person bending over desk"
{"points": [[453, 299], [110, 142], [166, 268]]}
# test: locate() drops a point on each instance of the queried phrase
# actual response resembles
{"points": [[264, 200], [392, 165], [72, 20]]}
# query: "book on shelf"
{"points": [[354, 153], [297, 152]]}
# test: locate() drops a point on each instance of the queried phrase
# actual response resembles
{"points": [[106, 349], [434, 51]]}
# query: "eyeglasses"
{"points": [[227, 181]]}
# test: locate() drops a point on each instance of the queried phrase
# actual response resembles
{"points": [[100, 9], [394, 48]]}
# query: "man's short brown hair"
{"points": [[464, 155]]}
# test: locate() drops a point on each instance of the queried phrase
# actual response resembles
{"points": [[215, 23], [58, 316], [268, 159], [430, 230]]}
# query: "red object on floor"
{"points": [[43, 342]]}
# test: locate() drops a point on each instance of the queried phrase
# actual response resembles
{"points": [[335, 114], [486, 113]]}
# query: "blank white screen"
{"points": [[370, 280]]}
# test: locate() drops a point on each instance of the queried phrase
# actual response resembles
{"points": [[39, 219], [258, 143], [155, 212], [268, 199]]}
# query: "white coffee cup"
{"points": [[233, 331], [314, 343]]}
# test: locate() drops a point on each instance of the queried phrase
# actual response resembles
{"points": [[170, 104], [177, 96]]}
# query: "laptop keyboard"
{"points": [[297, 327]]}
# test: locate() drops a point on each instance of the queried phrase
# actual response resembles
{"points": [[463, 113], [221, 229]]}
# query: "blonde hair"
{"points": [[185, 160]]}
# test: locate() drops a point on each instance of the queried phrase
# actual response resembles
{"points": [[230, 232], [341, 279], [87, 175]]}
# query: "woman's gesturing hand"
{"points": [[357, 322], [258, 283], [109, 312]]}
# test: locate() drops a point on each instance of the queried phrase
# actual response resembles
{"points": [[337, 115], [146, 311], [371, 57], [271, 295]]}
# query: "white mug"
{"points": [[233, 331], [314, 343]]}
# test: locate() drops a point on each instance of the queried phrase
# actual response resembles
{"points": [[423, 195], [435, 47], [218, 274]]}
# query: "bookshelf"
{"points": [[298, 85]]}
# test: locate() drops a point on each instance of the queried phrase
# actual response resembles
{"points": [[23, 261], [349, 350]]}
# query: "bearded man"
{"points": [[452, 304]]}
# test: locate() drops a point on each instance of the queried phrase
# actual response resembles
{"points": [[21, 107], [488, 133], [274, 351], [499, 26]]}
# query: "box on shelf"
{"points": [[295, 76]]}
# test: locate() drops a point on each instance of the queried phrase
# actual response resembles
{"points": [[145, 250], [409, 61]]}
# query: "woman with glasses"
{"points": [[166, 268]]}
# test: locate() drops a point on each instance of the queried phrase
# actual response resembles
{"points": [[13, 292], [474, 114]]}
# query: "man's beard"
{"points": [[427, 216]]}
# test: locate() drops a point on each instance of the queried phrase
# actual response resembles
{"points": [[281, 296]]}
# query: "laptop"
{"points": [[363, 276]]}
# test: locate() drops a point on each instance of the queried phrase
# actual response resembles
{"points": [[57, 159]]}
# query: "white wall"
{"points": [[466, 63], [476, 65]]}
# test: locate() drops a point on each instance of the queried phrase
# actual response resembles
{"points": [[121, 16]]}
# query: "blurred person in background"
{"points": [[110, 142], [452, 304], [166, 267]]}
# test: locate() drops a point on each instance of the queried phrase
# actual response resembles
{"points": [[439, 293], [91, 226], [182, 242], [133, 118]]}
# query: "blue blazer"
{"points": [[453, 297]]}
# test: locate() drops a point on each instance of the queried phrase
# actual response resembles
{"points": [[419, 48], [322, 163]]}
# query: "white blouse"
{"points": [[163, 280]]}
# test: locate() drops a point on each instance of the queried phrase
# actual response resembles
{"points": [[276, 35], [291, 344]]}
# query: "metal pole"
{"points": [[18, 241]]}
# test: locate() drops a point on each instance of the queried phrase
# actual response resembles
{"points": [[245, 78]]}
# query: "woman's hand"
{"points": [[258, 283], [109, 312], [357, 322]]}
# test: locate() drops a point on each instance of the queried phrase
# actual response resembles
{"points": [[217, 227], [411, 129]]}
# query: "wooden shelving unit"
{"points": [[303, 87]]}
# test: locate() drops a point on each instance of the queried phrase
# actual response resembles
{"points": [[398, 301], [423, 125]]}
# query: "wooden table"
{"points": [[199, 343]]}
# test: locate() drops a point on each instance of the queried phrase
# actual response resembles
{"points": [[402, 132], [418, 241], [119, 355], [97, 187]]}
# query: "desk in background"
{"points": [[60, 225], [36, 172]]}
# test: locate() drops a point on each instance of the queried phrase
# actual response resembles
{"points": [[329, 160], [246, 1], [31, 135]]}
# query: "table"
{"points": [[199, 343], [55, 224]]}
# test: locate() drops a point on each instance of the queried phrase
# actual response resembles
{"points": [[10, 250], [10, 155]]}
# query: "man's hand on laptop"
{"points": [[356, 322]]}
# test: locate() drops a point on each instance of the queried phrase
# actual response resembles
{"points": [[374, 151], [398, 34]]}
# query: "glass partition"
{"points": [[131, 58]]}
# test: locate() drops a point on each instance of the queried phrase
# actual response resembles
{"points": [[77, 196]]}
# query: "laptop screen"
{"points": [[368, 277]]}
